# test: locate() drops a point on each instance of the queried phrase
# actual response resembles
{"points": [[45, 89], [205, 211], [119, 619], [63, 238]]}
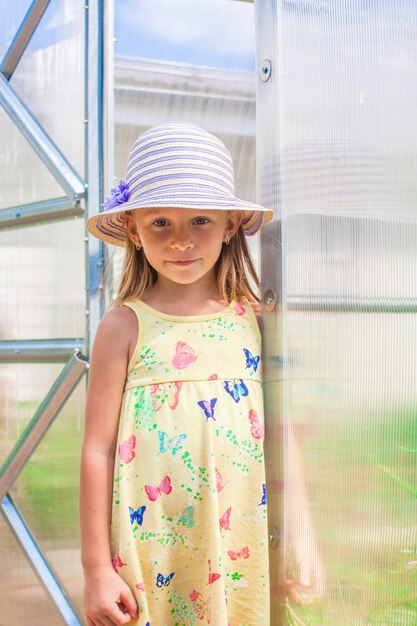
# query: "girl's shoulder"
{"points": [[117, 330]]}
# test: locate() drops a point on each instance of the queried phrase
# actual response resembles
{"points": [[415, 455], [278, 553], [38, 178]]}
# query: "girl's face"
{"points": [[182, 245]]}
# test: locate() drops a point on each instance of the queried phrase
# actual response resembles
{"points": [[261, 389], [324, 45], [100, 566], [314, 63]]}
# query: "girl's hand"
{"points": [[108, 600], [306, 585]]}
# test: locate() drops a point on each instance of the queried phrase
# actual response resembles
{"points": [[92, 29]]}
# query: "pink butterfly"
{"points": [[117, 562], [212, 577], [243, 554], [239, 308], [126, 449], [256, 428], [140, 586], [164, 487], [225, 519], [201, 605], [184, 356], [171, 391], [219, 480]]}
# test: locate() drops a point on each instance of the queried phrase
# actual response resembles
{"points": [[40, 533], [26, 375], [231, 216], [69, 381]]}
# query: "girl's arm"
{"points": [[107, 596]]}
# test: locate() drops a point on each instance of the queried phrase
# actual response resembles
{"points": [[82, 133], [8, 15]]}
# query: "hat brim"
{"points": [[109, 225]]}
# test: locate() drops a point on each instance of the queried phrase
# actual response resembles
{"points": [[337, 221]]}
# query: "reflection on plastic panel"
{"points": [[337, 152]]}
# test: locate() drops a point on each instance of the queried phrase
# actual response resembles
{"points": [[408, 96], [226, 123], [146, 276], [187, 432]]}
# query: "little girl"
{"points": [[173, 495]]}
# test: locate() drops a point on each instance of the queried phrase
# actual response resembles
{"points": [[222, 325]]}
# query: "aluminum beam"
{"points": [[94, 141], [39, 350], [55, 161], [48, 211], [41, 421], [22, 37], [38, 563]]}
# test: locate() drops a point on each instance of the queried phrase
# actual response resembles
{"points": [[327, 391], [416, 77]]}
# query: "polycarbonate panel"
{"points": [[46, 491], [42, 285], [23, 599], [49, 78], [10, 21], [337, 148], [24, 178], [188, 60], [212, 33]]}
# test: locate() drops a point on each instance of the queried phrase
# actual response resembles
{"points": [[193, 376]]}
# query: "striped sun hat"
{"points": [[175, 165]]}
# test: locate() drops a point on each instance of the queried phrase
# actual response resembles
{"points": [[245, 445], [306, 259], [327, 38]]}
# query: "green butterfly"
{"points": [[187, 517]]}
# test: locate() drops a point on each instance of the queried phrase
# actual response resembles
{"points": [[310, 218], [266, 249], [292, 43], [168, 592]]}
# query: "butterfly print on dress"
{"points": [[256, 429], [164, 487], [225, 519], [263, 501], [170, 445], [127, 449], [235, 390], [243, 554], [160, 580], [251, 361], [184, 356], [137, 515], [208, 407]]}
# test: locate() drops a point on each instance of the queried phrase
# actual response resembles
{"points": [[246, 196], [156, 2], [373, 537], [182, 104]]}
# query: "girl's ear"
{"points": [[131, 229], [233, 222]]}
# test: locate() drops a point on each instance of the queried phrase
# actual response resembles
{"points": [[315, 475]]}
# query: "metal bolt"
{"points": [[273, 537], [265, 71], [269, 300]]}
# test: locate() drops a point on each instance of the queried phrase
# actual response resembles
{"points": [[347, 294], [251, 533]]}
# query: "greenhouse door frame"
{"points": [[68, 351]]}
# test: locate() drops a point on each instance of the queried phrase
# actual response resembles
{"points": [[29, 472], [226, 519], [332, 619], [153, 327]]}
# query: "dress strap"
{"points": [[135, 306], [252, 316]]}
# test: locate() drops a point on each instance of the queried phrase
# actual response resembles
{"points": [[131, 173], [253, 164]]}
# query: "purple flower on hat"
{"points": [[118, 195]]}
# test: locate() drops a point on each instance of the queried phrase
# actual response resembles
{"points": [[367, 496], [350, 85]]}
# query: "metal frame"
{"points": [[272, 294], [59, 350]]}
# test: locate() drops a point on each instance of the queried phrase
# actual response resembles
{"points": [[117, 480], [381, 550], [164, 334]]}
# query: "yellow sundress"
{"points": [[189, 520]]}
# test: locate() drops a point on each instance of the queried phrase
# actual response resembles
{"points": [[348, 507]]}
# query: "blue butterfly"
{"points": [[160, 580], [236, 389], [208, 408], [165, 443], [263, 501], [137, 515], [251, 361]]}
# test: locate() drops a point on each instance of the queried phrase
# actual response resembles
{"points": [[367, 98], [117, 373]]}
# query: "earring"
{"points": [[226, 240], [138, 247]]}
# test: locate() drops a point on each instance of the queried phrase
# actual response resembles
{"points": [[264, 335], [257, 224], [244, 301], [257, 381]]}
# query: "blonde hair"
{"points": [[234, 272]]}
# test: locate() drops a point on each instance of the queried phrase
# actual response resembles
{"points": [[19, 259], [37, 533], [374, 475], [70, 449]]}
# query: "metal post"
{"points": [[94, 161], [272, 293]]}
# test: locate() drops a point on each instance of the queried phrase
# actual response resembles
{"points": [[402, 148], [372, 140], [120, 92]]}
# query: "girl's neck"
{"points": [[176, 299]]}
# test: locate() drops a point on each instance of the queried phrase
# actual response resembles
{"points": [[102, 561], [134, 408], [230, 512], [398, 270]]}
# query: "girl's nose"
{"points": [[181, 241]]}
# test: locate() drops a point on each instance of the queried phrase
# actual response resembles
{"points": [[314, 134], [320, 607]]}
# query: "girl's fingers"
{"points": [[106, 621], [116, 617], [129, 601]]}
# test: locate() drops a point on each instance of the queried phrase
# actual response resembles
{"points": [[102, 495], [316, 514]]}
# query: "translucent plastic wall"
{"points": [[42, 297], [337, 159]]}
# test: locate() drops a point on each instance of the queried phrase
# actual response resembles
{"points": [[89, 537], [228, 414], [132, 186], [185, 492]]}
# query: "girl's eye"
{"points": [[201, 220], [160, 223]]}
